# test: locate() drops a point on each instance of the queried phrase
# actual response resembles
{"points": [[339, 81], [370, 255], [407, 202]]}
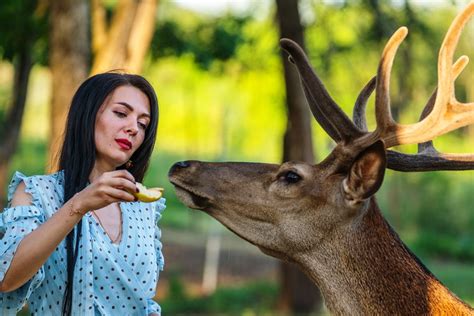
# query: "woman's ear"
{"points": [[366, 173]]}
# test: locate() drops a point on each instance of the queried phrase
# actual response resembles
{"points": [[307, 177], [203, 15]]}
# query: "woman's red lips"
{"points": [[124, 143]]}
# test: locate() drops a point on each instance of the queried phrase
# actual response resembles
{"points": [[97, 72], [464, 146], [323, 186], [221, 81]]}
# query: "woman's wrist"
{"points": [[76, 207]]}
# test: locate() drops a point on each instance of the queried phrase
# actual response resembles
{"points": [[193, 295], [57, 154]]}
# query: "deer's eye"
{"points": [[290, 177]]}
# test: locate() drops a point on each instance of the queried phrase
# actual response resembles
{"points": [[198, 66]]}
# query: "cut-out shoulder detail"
{"points": [[20, 197]]}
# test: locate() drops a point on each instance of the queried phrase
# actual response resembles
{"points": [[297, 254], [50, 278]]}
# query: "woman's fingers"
{"points": [[123, 184], [123, 174], [120, 195]]}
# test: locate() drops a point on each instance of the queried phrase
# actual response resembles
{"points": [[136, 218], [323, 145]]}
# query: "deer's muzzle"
{"points": [[180, 176]]}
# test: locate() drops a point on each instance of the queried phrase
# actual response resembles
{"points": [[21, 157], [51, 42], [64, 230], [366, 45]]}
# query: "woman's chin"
{"points": [[112, 163]]}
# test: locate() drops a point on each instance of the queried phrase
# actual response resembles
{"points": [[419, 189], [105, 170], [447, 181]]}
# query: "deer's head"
{"points": [[265, 203], [290, 208]]}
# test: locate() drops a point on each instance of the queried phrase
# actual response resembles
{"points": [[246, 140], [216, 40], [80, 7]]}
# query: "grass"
{"points": [[254, 298]]}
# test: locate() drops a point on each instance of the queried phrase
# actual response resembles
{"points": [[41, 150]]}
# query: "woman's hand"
{"points": [[110, 187]]}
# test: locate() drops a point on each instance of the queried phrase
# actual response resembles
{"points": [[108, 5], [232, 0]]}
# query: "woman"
{"points": [[77, 241]]}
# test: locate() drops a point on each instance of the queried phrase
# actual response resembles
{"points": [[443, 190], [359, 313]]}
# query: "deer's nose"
{"points": [[182, 164], [179, 165]]}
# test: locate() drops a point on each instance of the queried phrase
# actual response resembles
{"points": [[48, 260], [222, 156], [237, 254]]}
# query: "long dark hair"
{"points": [[78, 152]]}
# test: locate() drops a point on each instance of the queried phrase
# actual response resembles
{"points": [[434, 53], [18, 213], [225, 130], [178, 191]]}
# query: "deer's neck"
{"points": [[367, 270]]}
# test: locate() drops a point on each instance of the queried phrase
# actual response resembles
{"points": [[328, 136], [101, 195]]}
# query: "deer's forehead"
{"points": [[302, 168]]}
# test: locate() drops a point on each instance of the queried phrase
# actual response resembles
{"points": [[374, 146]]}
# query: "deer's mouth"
{"points": [[190, 197]]}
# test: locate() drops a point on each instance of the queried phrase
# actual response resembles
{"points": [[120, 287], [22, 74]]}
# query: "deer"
{"points": [[324, 217]]}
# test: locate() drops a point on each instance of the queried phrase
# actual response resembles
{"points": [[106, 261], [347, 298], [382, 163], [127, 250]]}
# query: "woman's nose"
{"points": [[132, 129]]}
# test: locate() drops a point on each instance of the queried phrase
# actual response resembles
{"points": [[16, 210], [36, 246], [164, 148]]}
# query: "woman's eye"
{"points": [[142, 125], [120, 114], [291, 177]]}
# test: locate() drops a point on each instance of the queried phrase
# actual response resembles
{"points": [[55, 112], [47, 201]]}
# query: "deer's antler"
{"points": [[427, 158], [358, 113], [443, 113], [447, 114], [325, 110]]}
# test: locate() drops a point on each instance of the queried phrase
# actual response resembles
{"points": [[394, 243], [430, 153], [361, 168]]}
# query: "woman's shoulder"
{"points": [[58, 176], [36, 185]]}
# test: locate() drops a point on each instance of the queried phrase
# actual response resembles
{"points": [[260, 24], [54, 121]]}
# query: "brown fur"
{"points": [[367, 270], [340, 240]]}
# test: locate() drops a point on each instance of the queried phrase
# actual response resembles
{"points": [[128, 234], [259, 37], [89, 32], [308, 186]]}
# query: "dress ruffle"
{"points": [[15, 223], [30, 185], [159, 208]]}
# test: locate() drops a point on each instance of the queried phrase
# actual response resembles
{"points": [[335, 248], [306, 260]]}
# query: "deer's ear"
{"points": [[366, 173]]}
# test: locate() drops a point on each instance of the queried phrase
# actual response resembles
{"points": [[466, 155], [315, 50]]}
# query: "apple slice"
{"points": [[148, 195]]}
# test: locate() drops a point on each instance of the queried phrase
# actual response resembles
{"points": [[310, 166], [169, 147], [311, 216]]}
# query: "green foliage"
{"points": [[2, 118], [432, 212], [233, 102], [30, 157], [168, 40], [257, 297], [5, 95], [448, 225], [207, 41], [458, 277], [24, 22]]}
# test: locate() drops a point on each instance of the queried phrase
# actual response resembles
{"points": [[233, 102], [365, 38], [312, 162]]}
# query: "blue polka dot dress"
{"points": [[109, 279]]}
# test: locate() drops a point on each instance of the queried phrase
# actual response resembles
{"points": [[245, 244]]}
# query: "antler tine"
{"points": [[320, 117], [325, 110], [428, 158], [447, 114], [445, 94], [358, 114], [458, 67], [383, 115], [428, 145]]}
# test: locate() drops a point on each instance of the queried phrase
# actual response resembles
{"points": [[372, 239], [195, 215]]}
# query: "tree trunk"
{"points": [[124, 46], [10, 131], [298, 293], [141, 35], [297, 140], [69, 63]]}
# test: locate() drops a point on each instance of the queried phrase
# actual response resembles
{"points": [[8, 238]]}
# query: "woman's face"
{"points": [[120, 126]]}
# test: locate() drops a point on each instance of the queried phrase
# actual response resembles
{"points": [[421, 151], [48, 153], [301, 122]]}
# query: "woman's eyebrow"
{"points": [[132, 109]]}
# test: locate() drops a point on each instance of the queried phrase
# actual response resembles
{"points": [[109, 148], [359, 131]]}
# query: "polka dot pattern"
{"points": [[109, 278]]}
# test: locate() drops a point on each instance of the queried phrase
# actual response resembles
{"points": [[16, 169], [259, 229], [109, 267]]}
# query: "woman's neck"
{"points": [[100, 167]]}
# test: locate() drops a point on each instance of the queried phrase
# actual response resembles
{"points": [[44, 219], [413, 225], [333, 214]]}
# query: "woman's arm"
{"points": [[37, 246]]}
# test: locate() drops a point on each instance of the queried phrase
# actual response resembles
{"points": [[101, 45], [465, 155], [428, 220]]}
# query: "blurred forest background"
{"points": [[221, 87]]}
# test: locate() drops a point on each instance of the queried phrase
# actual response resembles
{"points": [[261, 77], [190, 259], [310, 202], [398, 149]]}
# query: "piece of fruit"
{"points": [[148, 195]]}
